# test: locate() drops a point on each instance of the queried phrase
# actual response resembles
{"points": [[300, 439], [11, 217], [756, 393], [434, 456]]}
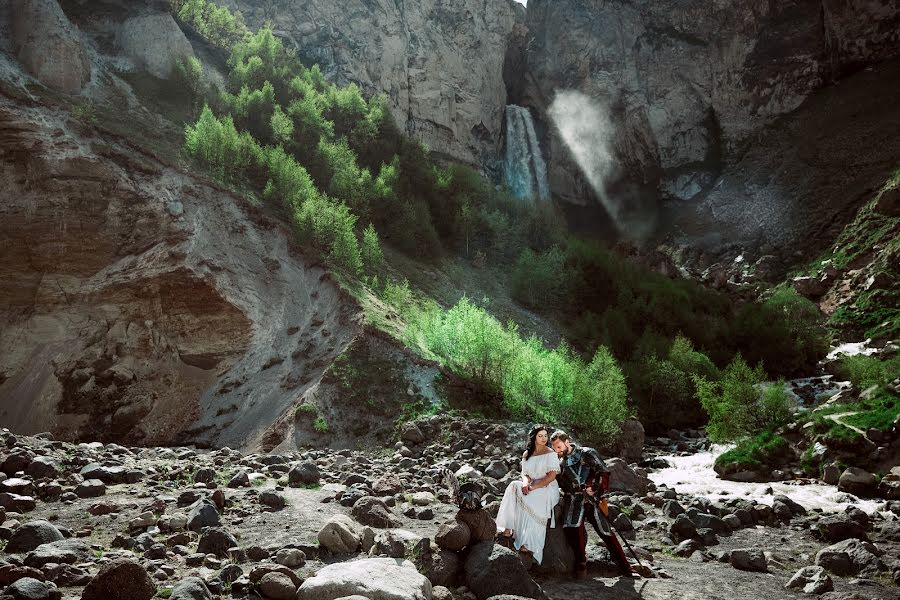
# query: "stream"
{"points": [[694, 475]]}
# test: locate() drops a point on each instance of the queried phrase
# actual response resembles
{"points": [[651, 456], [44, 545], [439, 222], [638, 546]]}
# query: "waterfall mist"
{"points": [[585, 126], [525, 170]]}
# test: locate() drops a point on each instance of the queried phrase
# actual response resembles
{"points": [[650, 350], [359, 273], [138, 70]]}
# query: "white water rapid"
{"points": [[694, 475], [525, 169]]}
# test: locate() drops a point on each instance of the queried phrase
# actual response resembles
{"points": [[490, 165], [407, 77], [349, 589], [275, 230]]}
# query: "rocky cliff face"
{"points": [[440, 62], [689, 82], [131, 317]]}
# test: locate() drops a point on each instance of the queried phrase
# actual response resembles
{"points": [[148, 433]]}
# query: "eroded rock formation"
{"points": [[142, 300]]}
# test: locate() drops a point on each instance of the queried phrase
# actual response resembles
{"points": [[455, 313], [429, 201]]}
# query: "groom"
{"points": [[582, 475]]}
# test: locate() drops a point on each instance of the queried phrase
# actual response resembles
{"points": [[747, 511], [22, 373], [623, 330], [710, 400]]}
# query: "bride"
{"points": [[527, 504]]}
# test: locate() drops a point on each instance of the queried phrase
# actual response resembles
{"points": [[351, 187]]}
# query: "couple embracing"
{"points": [[554, 469]]}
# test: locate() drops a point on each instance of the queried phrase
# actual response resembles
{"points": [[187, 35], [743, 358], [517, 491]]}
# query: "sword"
{"points": [[603, 509]]}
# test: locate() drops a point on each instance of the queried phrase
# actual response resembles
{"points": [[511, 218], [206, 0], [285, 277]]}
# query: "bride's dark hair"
{"points": [[532, 439]]}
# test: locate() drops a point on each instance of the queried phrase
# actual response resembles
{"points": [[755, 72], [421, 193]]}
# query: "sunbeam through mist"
{"points": [[585, 126]]}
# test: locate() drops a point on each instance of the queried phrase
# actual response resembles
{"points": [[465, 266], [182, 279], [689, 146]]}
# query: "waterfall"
{"points": [[525, 170]]}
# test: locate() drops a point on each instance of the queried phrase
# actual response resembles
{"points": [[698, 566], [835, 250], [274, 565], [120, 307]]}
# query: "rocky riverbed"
{"points": [[101, 521]]}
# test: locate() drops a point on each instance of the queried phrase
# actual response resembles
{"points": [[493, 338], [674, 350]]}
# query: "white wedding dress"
{"points": [[527, 514]]}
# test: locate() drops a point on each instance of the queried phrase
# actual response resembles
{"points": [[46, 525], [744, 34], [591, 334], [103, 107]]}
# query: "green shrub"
{"points": [[217, 145], [736, 405], [538, 279], [371, 250], [218, 25], [190, 79], [765, 449], [282, 126], [533, 382], [253, 110], [331, 226], [321, 425], [866, 371], [261, 58]]}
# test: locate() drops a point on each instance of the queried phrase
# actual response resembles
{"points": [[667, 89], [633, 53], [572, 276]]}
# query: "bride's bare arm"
{"points": [[542, 482]]}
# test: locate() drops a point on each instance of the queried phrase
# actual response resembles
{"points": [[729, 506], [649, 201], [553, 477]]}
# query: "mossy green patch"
{"points": [[753, 453]]}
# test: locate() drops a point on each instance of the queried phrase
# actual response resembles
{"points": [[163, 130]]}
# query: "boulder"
{"points": [[90, 488], [559, 558], [749, 559], [453, 535], [43, 467], [304, 473], [387, 485], [395, 543], [630, 441], [796, 509], [373, 578], [682, 528], [272, 499], [441, 568], [623, 478], [858, 482], [850, 557], [155, 43], [31, 535], [497, 469], [481, 524], [28, 588], [62, 552], [192, 588], [836, 528], [373, 512], [49, 46], [888, 202], [202, 513], [491, 570], [811, 580], [412, 434], [290, 557], [277, 586], [120, 579], [216, 540], [17, 502], [810, 287], [340, 535], [671, 508]]}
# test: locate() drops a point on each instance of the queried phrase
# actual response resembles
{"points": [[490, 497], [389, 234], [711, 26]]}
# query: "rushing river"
{"points": [[694, 475]]}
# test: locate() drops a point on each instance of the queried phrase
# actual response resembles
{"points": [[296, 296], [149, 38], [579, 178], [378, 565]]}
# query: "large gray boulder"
{"points": [[340, 535], [66, 552], [216, 540], [31, 535], [491, 570], [749, 559], [858, 481], [304, 473], [836, 528], [850, 557], [811, 580], [373, 512], [191, 588], [49, 46], [374, 578], [630, 441], [203, 513], [623, 478], [155, 43], [28, 588], [121, 579]]}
